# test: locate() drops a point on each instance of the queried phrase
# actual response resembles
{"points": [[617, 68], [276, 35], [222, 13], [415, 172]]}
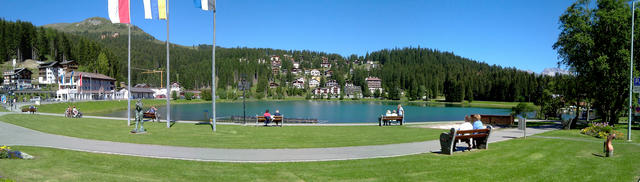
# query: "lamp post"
{"points": [[633, 13]]}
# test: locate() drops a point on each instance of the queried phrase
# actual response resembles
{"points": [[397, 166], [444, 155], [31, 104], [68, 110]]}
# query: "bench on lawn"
{"points": [[276, 119], [449, 139], [151, 115], [30, 110], [386, 120]]}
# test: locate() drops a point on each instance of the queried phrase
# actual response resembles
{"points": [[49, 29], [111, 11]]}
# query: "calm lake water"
{"points": [[323, 111]]}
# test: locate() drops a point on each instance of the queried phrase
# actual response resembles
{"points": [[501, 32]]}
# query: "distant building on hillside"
{"points": [[335, 91], [313, 83], [315, 72], [352, 91], [332, 83], [17, 79], [374, 83]]}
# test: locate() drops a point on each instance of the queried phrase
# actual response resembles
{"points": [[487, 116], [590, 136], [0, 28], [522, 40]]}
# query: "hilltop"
{"points": [[98, 27]]}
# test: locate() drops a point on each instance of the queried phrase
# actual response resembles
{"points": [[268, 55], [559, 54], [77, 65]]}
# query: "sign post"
{"points": [[522, 125]]}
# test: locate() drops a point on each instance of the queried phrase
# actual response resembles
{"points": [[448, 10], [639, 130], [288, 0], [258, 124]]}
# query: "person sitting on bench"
{"points": [[477, 124], [466, 126], [152, 109], [75, 112], [267, 117]]}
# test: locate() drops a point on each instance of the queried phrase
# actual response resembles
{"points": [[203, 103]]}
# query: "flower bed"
{"points": [[601, 130], [7, 153]]}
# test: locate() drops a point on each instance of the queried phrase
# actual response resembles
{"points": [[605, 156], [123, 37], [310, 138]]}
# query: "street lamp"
{"points": [[633, 15]]}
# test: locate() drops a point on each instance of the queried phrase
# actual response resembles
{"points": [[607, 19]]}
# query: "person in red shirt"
{"points": [[267, 117]]}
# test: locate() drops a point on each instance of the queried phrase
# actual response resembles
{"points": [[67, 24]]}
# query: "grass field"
{"points": [[531, 159], [227, 136], [91, 107]]}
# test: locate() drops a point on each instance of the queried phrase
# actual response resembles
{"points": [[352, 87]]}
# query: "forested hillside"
{"points": [[416, 72]]}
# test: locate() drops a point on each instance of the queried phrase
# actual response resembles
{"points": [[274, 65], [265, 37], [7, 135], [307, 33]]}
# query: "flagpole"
{"points": [[129, 80], [213, 73], [168, 77], [128, 69]]}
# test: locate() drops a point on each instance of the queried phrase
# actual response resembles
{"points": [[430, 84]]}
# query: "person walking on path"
{"points": [[401, 112]]}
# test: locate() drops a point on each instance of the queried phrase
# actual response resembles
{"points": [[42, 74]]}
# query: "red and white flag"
{"points": [[119, 11]]}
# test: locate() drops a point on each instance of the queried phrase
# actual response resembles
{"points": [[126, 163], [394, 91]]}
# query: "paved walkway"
{"points": [[16, 135]]}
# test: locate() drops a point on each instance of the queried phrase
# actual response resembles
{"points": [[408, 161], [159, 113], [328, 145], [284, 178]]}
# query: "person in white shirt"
{"points": [[466, 126]]}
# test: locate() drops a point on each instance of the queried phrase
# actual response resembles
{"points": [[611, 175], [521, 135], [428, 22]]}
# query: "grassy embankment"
{"points": [[531, 159], [226, 136], [91, 107]]}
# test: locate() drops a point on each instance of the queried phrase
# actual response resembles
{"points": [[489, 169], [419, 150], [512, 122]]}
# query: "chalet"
{"points": [[275, 70], [273, 85], [313, 83], [332, 83], [374, 83], [328, 73], [296, 65], [315, 72], [86, 86], [295, 71], [298, 84], [17, 79], [326, 91]]}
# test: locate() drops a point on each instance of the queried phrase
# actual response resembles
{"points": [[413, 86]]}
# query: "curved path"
{"points": [[15, 135]]}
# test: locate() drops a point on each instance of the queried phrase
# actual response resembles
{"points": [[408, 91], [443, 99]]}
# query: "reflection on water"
{"points": [[324, 111]]}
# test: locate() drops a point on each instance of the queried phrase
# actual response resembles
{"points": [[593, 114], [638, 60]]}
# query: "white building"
{"points": [[313, 83], [296, 65], [136, 93], [335, 91], [86, 86], [332, 83], [49, 72], [314, 72]]}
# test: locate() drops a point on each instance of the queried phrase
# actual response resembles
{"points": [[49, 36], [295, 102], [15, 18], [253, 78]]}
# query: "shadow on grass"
{"points": [[598, 155]]}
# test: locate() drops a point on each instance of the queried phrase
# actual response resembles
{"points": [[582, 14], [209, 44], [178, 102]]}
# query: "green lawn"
{"points": [[531, 159], [575, 133], [91, 107], [226, 136]]}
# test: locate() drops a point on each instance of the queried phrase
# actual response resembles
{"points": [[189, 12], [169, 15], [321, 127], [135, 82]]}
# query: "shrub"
{"points": [[601, 130], [4, 152]]}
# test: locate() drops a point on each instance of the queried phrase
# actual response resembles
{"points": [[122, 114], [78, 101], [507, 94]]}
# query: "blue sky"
{"points": [[507, 33]]}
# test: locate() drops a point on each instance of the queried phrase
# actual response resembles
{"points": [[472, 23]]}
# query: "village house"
{"points": [[307, 72], [273, 85], [313, 83], [374, 83], [295, 71], [298, 83], [335, 91], [332, 83], [86, 86], [314, 72], [296, 65], [328, 73], [17, 79]]}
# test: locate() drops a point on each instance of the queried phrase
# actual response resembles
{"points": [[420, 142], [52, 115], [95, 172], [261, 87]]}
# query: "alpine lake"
{"points": [[320, 111]]}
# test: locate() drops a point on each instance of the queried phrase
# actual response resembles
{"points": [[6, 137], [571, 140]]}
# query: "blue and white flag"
{"points": [[207, 5], [71, 78], [155, 9]]}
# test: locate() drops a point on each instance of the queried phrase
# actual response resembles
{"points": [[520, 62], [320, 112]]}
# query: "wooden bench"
{"points": [[30, 110], [276, 119], [152, 116], [386, 120], [449, 139]]}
